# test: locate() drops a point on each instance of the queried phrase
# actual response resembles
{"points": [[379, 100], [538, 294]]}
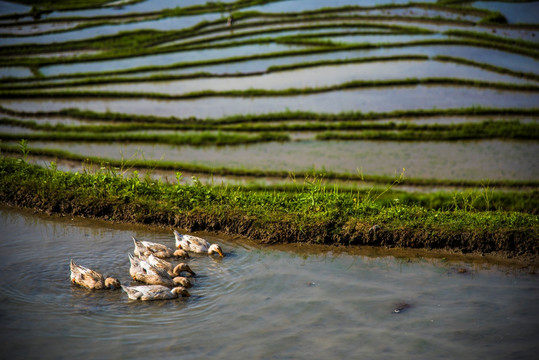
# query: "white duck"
{"points": [[91, 279], [154, 292], [196, 244], [145, 248]]}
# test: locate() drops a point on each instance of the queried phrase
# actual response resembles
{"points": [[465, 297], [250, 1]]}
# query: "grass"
{"points": [[315, 213], [368, 131], [192, 139], [275, 116], [436, 132]]}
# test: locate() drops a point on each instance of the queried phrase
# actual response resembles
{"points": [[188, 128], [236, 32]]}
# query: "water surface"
{"points": [[489, 56], [380, 99], [315, 77], [312, 304], [514, 12]]}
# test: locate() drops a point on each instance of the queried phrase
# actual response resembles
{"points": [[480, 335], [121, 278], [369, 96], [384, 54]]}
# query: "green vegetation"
{"points": [[316, 213], [195, 123], [193, 139], [369, 131], [411, 132]]}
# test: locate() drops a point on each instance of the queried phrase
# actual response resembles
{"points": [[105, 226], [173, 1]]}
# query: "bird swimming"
{"points": [[145, 248], [91, 279], [154, 292], [143, 271], [196, 244]]}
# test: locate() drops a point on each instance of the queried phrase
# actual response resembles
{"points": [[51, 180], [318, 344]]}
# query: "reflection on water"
{"points": [[312, 304]]}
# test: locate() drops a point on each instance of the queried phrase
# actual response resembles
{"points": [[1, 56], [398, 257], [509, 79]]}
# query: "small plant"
{"points": [[23, 147]]}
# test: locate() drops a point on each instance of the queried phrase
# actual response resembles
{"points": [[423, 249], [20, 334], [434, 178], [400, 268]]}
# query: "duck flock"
{"points": [[162, 279]]}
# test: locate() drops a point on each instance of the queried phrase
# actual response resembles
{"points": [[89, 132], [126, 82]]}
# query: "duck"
{"points": [[91, 279], [145, 248], [167, 266], [154, 292], [196, 244], [143, 271]]}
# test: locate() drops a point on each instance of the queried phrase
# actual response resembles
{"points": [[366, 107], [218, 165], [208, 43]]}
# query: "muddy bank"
{"points": [[519, 245]]}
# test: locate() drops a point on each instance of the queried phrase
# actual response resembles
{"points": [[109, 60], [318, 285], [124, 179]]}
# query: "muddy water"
{"points": [[492, 159], [257, 302]]}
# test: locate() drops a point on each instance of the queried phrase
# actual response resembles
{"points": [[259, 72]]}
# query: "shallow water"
{"points": [[139, 7], [36, 28], [174, 23], [312, 304], [163, 59], [495, 57], [305, 5], [8, 7], [370, 99], [472, 160], [15, 71], [525, 12], [315, 77]]}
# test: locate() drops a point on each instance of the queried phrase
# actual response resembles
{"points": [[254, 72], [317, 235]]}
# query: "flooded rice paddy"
{"points": [[260, 302], [493, 159], [366, 100], [317, 48], [315, 77]]}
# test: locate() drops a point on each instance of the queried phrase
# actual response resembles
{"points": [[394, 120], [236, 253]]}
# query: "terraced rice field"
{"points": [[448, 90]]}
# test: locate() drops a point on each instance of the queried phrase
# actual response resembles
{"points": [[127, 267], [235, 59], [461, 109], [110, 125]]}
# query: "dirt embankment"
{"points": [[513, 244]]}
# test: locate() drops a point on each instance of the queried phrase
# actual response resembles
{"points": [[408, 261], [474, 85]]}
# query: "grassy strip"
{"points": [[351, 85], [277, 116], [192, 139], [318, 214], [493, 38], [410, 132], [484, 198], [201, 169], [372, 131], [489, 67]]}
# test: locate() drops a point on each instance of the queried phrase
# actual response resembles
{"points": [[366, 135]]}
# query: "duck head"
{"points": [[183, 267], [183, 281], [180, 253], [112, 283], [214, 248], [181, 291]]}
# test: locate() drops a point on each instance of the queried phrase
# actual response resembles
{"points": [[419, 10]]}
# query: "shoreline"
{"points": [[311, 216]]}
